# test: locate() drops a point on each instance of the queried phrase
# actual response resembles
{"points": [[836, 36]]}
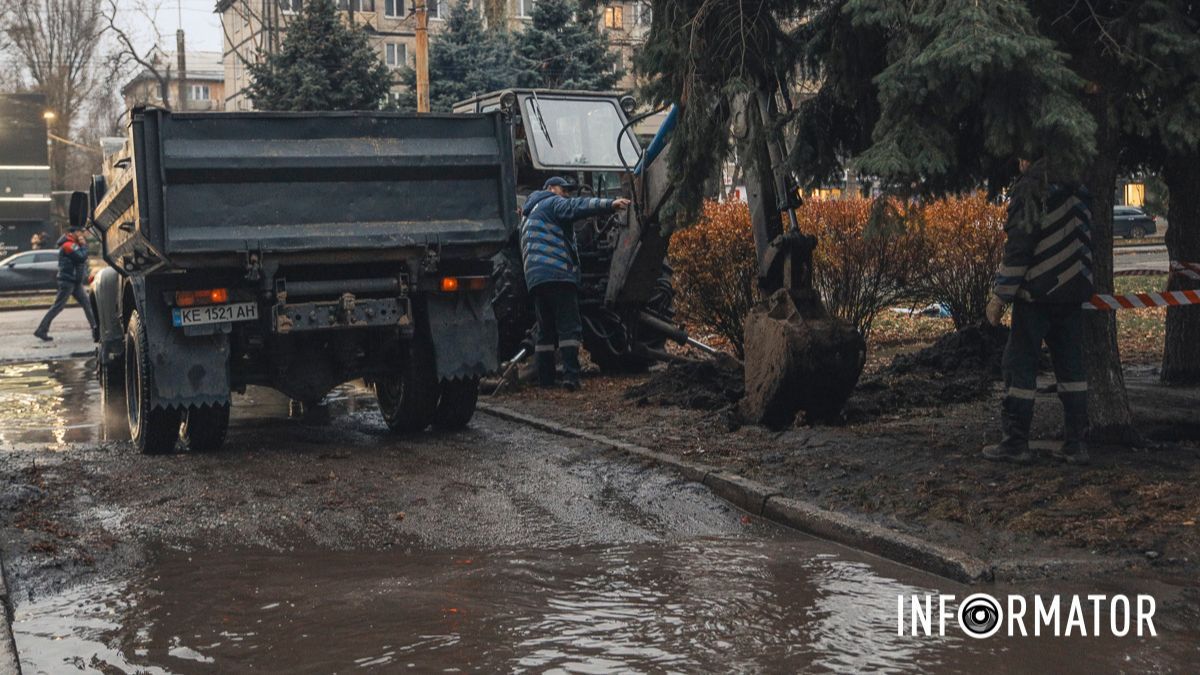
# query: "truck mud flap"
{"points": [[188, 369], [464, 332]]}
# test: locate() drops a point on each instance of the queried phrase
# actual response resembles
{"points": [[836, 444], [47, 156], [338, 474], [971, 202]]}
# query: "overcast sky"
{"points": [[201, 26]]}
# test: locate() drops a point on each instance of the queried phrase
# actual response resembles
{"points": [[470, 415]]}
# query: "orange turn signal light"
{"points": [[208, 296], [452, 284]]}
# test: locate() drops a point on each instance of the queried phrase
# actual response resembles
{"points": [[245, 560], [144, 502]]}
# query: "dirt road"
{"points": [[325, 548]]}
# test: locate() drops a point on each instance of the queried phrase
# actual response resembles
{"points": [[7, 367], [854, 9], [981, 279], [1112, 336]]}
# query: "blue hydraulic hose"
{"points": [[659, 142]]}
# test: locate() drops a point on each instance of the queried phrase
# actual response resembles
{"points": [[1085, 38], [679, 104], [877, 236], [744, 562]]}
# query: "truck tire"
{"points": [[409, 401], [456, 406], [153, 432], [204, 427], [114, 424]]}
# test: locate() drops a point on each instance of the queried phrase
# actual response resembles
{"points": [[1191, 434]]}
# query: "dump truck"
{"points": [[296, 251]]}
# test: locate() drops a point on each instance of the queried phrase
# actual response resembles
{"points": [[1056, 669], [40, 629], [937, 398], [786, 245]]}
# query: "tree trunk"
{"points": [[1108, 404], [1181, 352]]}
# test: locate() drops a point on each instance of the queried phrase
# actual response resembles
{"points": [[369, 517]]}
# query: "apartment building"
{"points": [[205, 81], [253, 27]]}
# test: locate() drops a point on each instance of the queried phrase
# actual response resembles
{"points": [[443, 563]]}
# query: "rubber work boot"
{"points": [[43, 337], [1013, 450], [545, 368], [570, 358], [1074, 448]]}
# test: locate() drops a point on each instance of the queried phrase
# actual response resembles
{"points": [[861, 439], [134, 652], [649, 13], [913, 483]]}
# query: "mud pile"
{"points": [[703, 385], [961, 366]]}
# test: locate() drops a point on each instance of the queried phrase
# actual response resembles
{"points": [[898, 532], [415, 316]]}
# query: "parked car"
{"points": [[29, 271], [1132, 223]]}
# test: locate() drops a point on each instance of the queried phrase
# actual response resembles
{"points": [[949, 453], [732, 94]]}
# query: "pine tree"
{"points": [[563, 48], [464, 60], [323, 64]]}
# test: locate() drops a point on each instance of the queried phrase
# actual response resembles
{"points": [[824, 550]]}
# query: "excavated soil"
{"points": [[704, 385]]}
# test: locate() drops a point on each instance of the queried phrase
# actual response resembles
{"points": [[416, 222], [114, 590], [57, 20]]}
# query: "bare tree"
{"points": [[56, 43], [127, 52]]}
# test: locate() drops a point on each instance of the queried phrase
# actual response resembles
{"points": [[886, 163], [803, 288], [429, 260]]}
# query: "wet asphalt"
{"points": [[334, 547]]}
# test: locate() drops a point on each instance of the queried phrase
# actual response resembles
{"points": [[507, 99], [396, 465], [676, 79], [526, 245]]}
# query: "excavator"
{"points": [[798, 357]]}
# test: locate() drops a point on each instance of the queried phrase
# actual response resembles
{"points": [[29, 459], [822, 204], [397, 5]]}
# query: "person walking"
{"points": [[72, 275], [552, 274], [1046, 276]]}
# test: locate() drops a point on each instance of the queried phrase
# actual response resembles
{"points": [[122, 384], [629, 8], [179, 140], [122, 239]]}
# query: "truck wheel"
{"points": [[456, 406], [153, 431], [408, 401], [113, 423], [204, 427]]}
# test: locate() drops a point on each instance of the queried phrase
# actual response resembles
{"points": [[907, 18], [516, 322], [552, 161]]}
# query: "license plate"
{"points": [[195, 316]]}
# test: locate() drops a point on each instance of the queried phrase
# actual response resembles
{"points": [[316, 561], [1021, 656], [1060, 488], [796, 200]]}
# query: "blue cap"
{"points": [[559, 181]]}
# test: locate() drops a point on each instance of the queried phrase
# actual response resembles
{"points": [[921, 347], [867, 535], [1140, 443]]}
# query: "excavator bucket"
{"points": [[798, 358]]}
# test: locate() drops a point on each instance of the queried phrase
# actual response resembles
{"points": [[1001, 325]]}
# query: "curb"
{"points": [[760, 500], [10, 664]]}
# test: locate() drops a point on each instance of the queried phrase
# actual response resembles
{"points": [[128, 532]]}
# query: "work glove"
{"points": [[995, 310]]}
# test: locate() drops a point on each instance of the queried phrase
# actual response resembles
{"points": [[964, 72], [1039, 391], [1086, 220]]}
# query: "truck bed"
{"points": [[212, 184]]}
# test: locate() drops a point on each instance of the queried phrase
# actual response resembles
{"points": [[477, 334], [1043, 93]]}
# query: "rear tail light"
{"points": [[208, 296], [453, 284]]}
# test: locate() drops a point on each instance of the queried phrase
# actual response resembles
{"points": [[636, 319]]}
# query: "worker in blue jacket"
{"points": [[552, 273]]}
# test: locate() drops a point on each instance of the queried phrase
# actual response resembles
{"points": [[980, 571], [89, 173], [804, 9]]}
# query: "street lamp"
{"points": [[49, 115]]}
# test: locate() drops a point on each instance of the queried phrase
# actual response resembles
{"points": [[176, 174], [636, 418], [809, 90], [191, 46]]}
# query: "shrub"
{"points": [[860, 270], [716, 270], [966, 246]]}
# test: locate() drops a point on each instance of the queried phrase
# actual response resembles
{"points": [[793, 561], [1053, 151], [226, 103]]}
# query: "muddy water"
{"points": [[708, 605], [51, 404], [765, 600]]}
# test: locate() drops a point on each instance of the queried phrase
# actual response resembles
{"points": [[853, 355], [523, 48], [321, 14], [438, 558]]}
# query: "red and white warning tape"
{"points": [[1141, 300]]}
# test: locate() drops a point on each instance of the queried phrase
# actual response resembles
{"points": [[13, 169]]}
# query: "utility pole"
{"points": [[422, 59], [182, 66]]}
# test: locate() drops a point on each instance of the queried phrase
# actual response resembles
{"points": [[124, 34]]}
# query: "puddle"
{"points": [[708, 605], [53, 404]]}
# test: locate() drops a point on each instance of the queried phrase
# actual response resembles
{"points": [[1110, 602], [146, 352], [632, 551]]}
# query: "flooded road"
{"points": [[341, 548]]}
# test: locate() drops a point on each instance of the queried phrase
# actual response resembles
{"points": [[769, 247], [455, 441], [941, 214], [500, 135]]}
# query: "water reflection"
{"points": [[54, 404], [712, 605]]}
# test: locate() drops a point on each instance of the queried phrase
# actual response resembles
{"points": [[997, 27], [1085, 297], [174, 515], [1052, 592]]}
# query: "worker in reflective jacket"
{"points": [[552, 273], [1046, 275], [72, 277]]}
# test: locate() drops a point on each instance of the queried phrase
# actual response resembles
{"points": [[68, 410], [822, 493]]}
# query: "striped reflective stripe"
{"points": [[1026, 394], [1071, 387], [1141, 300], [544, 348], [568, 343]]}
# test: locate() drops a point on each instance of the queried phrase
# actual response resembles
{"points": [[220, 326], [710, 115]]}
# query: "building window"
{"points": [[290, 6], [433, 9], [393, 8], [395, 55], [612, 17], [357, 5], [200, 92], [525, 8]]}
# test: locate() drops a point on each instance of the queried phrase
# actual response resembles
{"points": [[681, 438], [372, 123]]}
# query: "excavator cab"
{"points": [[588, 138]]}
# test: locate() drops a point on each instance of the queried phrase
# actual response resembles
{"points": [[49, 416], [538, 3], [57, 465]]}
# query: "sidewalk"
{"points": [[72, 337]]}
